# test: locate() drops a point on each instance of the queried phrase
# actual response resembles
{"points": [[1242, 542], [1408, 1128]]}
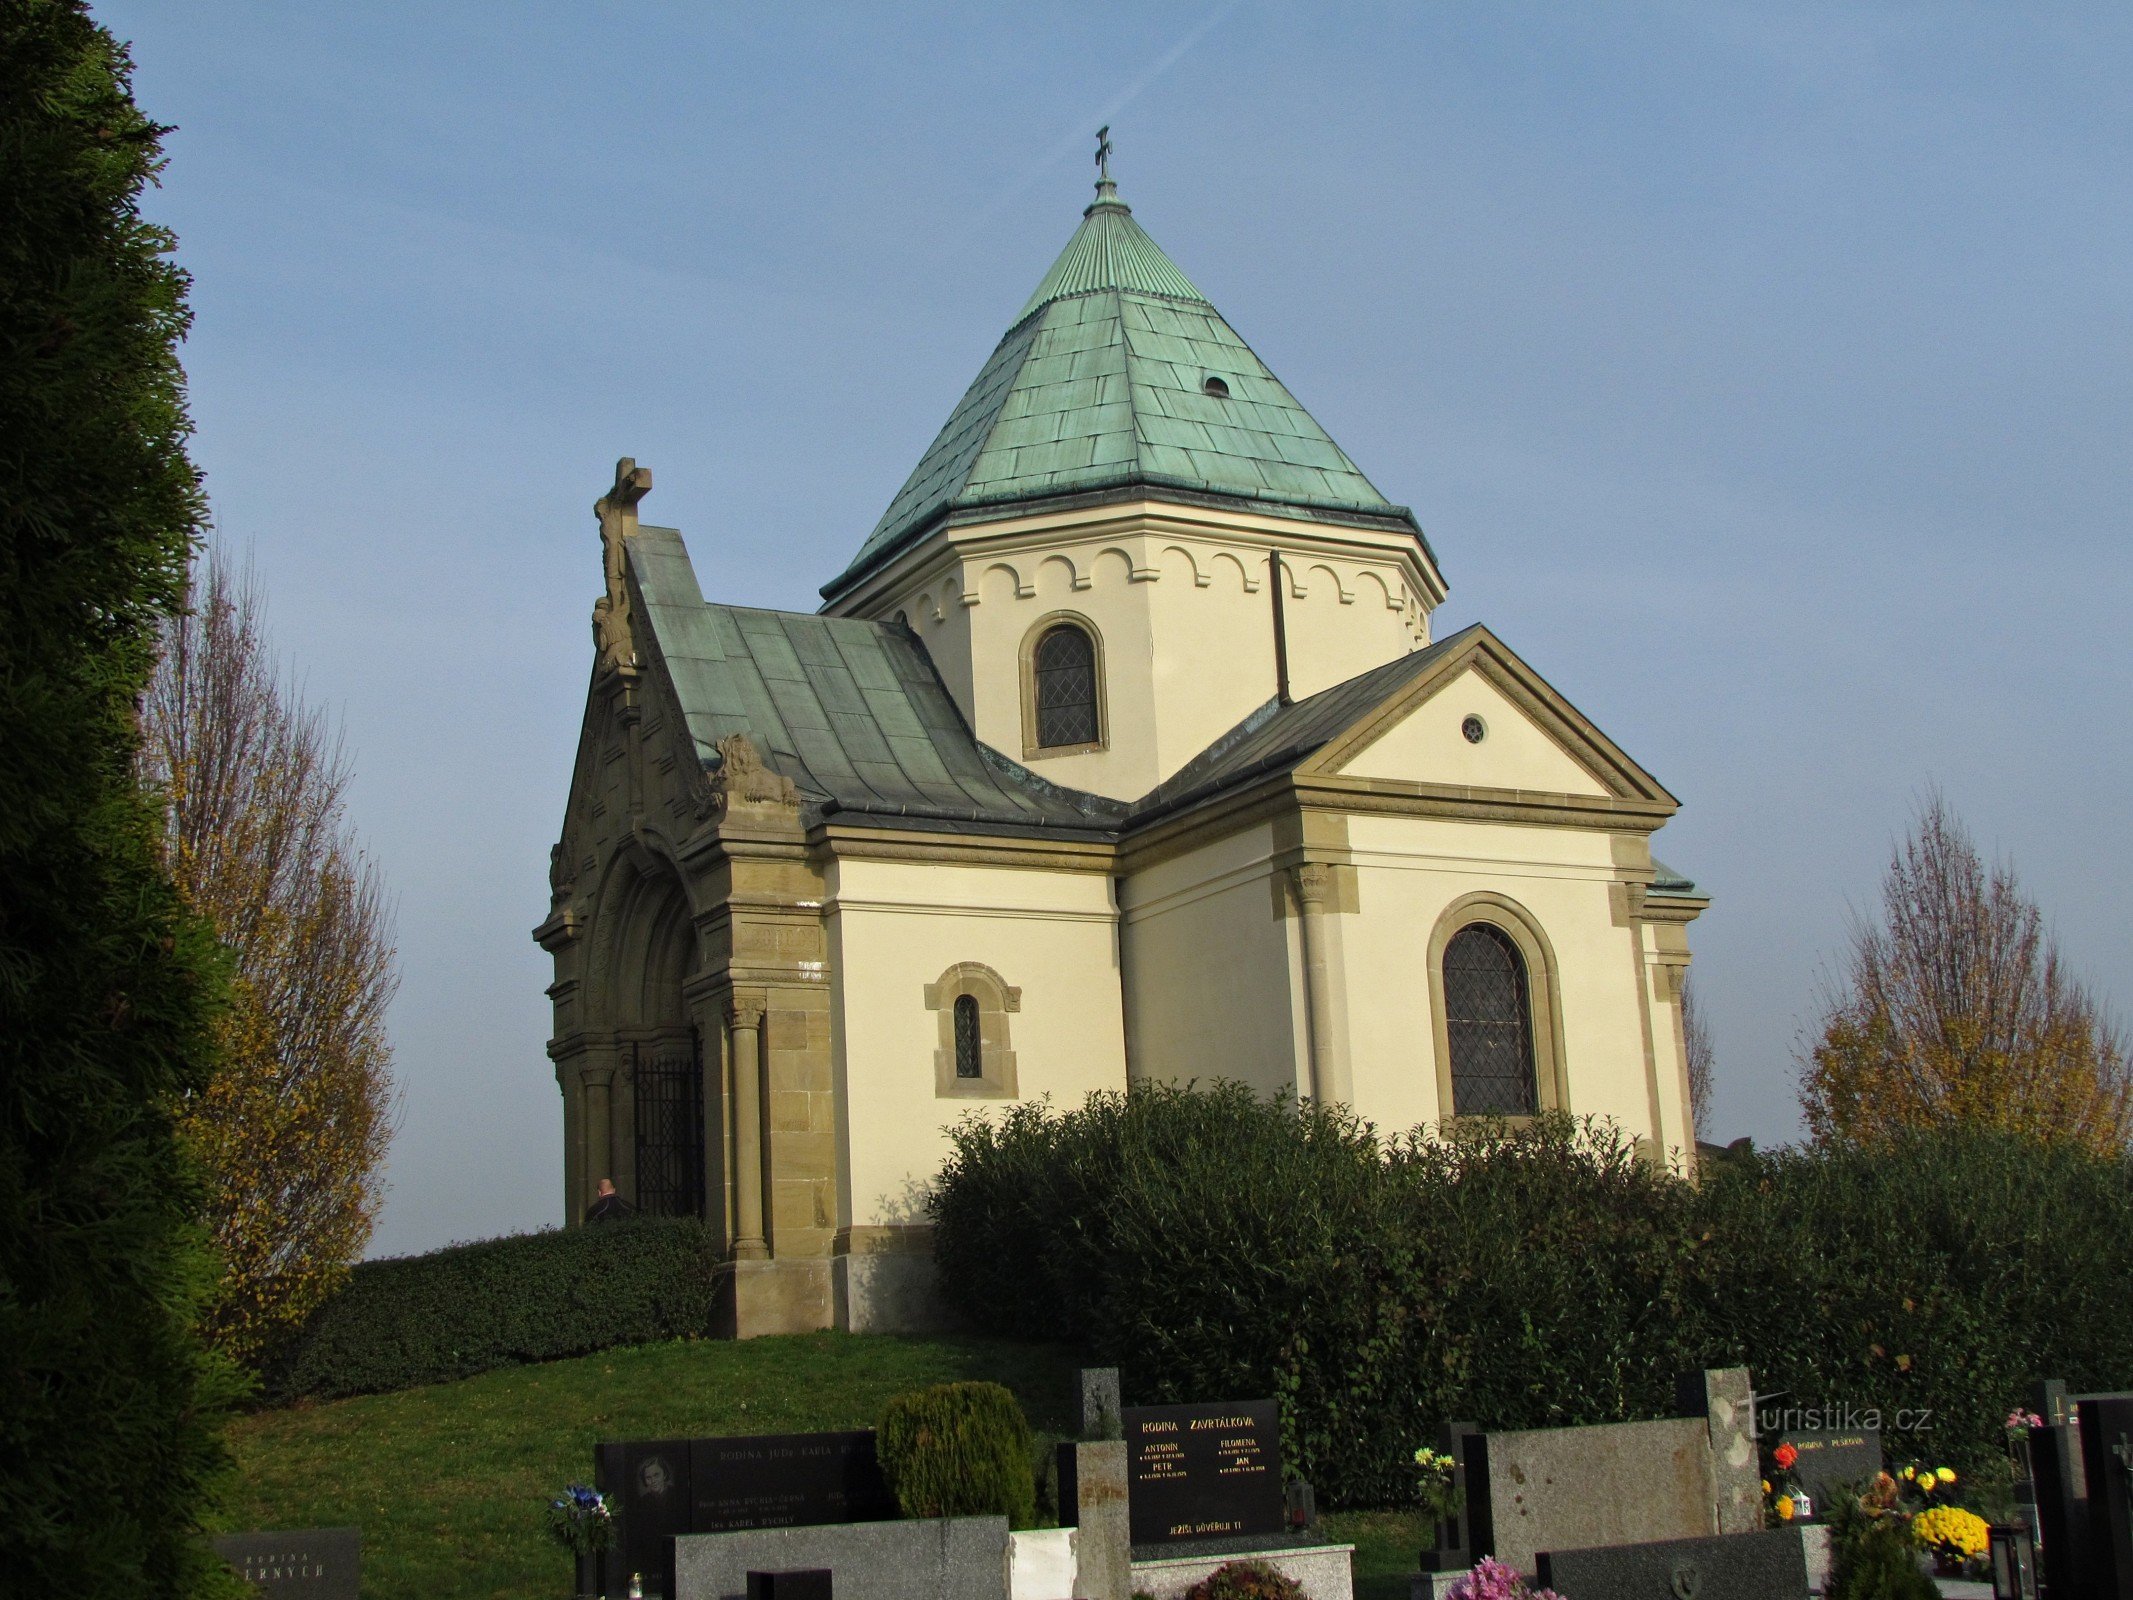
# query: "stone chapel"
{"points": [[1123, 749]]}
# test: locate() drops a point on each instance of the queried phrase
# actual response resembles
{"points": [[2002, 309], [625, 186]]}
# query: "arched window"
{"points": [[1063, 669], [975, 1059], [1488, 1013], [969, 1047]]}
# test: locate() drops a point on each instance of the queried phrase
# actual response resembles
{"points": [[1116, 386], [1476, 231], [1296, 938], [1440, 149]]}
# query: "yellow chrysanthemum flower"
{"points": [[1784, 1508], [1951, 1528], [1766, 1486]]}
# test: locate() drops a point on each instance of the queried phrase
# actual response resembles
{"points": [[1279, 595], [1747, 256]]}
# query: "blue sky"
{"points": [[1763, 375]]}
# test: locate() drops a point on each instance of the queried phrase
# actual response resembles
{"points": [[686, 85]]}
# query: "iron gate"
{"points": [[670, 1132]]}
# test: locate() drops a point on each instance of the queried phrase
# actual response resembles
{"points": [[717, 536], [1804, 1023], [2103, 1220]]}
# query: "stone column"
{"points": [[599, 1152], [745, 1016], [1325, 1028]]}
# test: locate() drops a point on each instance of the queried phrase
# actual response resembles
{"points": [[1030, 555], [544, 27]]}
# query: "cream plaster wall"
{"points": [[1181, 603], [895, 927], [1427, 745], [1214, 980], [1408, 871]]}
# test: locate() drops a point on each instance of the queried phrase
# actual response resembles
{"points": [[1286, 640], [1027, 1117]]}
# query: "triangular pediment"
{"points": [[1532, 740]]}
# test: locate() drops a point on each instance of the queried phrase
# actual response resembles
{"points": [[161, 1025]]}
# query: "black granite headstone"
{"points": [[810, 1583], [1203, 1472], [1733, 1566], [299, 1564], [1832, 1461], [787, 1480], [2107, 1462], [646, 1482]]}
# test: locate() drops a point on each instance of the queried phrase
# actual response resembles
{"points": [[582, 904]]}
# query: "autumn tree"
{"points": [[1696, 1045], [110, 1436], [1955, 1008], [292, 1128]]}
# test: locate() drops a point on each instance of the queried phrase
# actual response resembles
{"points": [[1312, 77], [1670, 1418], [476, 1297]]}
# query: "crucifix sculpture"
{"points": [[1103, 153], [617, 511]]}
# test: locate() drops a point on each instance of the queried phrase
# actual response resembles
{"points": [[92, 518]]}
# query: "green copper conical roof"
{"points": [[1118, 371]]}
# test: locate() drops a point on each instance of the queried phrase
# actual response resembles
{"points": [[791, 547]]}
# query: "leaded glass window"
{"points": [[969, 1045], [1488, 1017], [1065, 668]]}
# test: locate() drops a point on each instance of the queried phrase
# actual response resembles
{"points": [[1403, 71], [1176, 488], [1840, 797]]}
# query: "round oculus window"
{"points": [[1475, 730]]}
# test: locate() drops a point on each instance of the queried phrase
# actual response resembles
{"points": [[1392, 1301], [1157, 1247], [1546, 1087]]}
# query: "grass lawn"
{"points": [[448, 1482]]}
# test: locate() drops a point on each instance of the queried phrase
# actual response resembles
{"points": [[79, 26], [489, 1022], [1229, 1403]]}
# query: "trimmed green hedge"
{"points": [[1218, 1245], [503, 1302], [959, 1450]]}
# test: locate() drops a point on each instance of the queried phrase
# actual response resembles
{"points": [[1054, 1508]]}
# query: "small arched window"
{"points": [[969, 1044], [1064, 669], [1488, 1016]]}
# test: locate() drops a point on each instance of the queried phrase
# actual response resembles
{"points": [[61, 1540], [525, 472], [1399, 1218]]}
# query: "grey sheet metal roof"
{"points": [[851, 710], [1101, 382]]}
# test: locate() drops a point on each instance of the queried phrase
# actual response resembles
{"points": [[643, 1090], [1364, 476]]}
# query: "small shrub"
{"points": [[1246, 1580], [503, 1302], [1872, 1558], [959, 1450]]}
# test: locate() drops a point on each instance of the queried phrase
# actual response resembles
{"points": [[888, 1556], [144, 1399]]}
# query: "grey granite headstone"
{"points": [[937, 1558], [1577, 1488], [1092, 1498], [1736, 1566], [1100, 1409], [297, 1564], [1725, 1399]]}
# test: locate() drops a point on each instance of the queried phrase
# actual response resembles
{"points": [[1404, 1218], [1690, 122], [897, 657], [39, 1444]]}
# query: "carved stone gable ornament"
{"points": [[617, 511], [743, 778]]}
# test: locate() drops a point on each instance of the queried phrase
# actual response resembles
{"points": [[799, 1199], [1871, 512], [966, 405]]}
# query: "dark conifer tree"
{"points": [[109, 1428]]}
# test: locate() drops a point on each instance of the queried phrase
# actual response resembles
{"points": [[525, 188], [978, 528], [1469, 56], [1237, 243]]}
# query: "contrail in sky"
{"points": [[1079, 137]]}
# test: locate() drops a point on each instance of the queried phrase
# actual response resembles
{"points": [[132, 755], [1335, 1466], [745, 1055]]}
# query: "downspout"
{"points": [[1281, 630]]}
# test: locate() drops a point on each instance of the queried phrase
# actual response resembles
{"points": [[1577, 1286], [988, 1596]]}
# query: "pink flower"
{"points": [[1492, 1580]]}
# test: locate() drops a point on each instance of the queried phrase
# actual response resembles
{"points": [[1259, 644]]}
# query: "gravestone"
{"points": [[1617, 1483], [1734, 1566], [785, 1480], [661, 1488], [1099, 1403], [1725, 1398], [646, 1482], [1832, 1461], [1204, 1471], [2107, 1462], [1093, 1499], [298, 1563]]}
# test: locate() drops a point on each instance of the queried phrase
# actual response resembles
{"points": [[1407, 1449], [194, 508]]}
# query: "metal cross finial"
{"points": [[1103, 152]]}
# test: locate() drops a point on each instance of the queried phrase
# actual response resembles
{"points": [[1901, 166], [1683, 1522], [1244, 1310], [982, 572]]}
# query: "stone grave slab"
{"points": [[938, 1558], [1733, 1566], [1616, 1483], [1203, 1471], [1832, 1460], [297, 1563]]}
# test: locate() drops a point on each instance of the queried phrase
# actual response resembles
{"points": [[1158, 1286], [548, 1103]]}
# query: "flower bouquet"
{"points": [[580, 1521], [1492, 1580], [1438, 1493]]}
